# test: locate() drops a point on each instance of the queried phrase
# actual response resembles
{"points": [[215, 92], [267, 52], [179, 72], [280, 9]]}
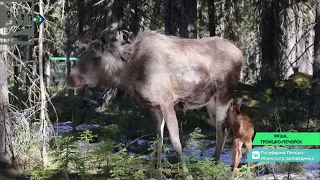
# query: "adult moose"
{"points": [[163, 73]]}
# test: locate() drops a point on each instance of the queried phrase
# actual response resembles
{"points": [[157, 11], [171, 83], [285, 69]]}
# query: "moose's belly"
{"points": [[196, 97]]}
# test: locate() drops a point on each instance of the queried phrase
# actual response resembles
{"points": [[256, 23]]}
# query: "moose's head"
{"points": [[232, 116], [233, 113], [95, 62], [87, 71]]}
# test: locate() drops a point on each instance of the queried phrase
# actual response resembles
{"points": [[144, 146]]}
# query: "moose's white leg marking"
{"points": [[162, 127], [160, 141]]}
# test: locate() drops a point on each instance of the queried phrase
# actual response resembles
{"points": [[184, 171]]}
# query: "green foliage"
{"points": [[126, 167], [117, 165], [302, 79], [208, 169], [291, 167], [67, 153], [80, 109], [194, 139], [40, 173], [76, 157], [111, 131], [166, 168], [245, 172], [279, 108], [297, 80]]}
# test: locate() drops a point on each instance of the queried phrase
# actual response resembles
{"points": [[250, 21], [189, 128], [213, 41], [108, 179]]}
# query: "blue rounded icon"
{"points": [[39, 19]]}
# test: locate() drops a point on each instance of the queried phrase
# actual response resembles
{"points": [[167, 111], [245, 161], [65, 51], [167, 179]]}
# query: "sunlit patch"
{"points": [[192, 77]]}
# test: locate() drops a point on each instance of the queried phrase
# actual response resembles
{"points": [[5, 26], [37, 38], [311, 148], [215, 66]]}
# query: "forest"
{"points": [[48, 131]]}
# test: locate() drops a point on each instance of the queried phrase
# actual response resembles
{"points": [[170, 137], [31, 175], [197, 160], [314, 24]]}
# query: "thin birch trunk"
{"points": [[42, 95]]}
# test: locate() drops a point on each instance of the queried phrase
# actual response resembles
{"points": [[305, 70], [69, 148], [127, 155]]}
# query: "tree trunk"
{"points": [[316, 66], [270, 41], [212, 21], [15, 75], [47, 71], [168, 16], [29, 68], [5, 152], [68, 43], [188, 26], [116, 14], [229, 8], [135, 18], [43, 129], [80, 18]]}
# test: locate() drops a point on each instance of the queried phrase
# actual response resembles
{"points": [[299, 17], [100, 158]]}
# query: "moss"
{"points": [[302, 79]]}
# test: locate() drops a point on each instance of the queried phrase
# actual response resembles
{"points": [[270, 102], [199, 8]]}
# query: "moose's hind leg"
{"points": [[211, 109], [248, 145], [236, 155], [248, 148], [222, 131], [171, 120]]}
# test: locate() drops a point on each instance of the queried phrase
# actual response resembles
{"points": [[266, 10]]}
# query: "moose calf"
{"points": [[243, 131]]}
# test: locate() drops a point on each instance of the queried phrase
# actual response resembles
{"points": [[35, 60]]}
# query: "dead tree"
{"points": [[5, 152]]}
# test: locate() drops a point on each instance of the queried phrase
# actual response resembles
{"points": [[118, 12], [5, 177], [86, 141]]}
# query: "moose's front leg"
{"points": [[171, 120], [157, 118], [222, 131]]}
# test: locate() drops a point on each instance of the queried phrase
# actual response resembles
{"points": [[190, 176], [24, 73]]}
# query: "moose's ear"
{"points": [[104, 36], [237, 108], [230, 110], [82, 43], [109, 35], [239, 101]]}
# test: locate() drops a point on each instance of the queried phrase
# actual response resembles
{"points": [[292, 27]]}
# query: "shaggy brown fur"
{"points": [[243, 131], [163, 73]]}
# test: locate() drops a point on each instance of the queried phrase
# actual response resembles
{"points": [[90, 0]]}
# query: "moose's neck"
{"points": [[112, 70], [117, 69], [123, 56]]}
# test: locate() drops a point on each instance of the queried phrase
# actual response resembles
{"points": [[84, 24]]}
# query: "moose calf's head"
{"points": [[232, 116], [90, 69]]}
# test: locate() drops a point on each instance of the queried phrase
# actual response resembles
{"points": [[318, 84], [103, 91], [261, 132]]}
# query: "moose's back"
{"points": [[186, 70]]}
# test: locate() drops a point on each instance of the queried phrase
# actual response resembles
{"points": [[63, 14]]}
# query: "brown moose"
{"points": [[163, 73], [243, 131]]}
